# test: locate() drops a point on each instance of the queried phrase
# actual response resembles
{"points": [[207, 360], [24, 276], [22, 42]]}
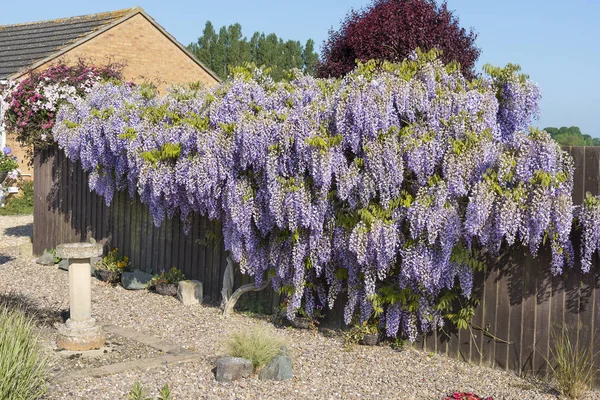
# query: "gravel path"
{"points": [[322, 369]]}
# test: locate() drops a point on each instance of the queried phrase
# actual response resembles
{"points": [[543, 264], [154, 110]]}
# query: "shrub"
{"points": [[572, 369], [23, 365], [174, 275], [393, 183], [20, 205], [34, 101], [115, 263], [391, 29], [258, 345]]}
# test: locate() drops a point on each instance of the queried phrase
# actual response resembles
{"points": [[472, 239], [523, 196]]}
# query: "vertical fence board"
{"points": [[489, 319]]}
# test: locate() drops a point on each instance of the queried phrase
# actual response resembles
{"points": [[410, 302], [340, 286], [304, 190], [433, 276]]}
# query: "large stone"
{"points": [[64, 264], [136, 280], [279, 369], [233, 368], [189, 292], [46, 259]]}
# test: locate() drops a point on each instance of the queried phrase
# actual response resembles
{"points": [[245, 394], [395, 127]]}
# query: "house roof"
{"points": [[26, 46]]}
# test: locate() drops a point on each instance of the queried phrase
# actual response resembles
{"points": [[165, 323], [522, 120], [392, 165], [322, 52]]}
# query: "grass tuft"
{"points": [[23, 363], [258, 345], [572, 369]]}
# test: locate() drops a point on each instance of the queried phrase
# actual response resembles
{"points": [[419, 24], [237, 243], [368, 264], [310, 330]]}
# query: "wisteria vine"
{"points": [[385, 184]]}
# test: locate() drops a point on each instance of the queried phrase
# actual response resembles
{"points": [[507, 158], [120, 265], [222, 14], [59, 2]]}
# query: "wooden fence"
{"points": [[66, 211], [521, 302]]}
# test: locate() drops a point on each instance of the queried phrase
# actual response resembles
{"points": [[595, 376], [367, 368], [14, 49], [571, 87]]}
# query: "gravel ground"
{"points": [[322, 369]]}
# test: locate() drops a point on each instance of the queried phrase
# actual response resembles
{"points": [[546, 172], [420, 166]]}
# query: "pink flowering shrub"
{"points": [[34, 101]]}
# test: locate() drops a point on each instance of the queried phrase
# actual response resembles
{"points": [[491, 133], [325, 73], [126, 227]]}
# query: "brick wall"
{"points": [[149, 55]]}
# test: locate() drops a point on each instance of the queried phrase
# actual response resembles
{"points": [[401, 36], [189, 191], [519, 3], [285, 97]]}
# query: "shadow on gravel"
{"points": [[20, 231], [4, 259], [43, 315]]}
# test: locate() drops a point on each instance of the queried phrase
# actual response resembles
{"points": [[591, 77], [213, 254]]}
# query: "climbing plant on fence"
{"points": [[389, 184]]}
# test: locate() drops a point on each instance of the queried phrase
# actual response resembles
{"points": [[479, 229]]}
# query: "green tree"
{"points": [[230, 48], [571, 136], [206, 47], [309, 57]]}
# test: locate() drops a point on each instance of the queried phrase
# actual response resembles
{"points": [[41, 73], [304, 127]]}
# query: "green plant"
{"points": [[398, 343], [174, 275], [258, 345], [572, 370], [358, 332], [138, 392], [20, 205], [115, 263], [7, 162], [165, 393], [23, 364], [53, 252]]}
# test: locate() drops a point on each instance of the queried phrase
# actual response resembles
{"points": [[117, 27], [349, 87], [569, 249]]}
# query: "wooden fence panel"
{"points": [[521, 302]]}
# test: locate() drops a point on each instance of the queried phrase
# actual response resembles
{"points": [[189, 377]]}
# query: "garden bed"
{"points": [[322, 369]]}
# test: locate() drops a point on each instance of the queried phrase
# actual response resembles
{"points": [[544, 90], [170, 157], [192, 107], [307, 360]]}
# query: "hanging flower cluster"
{"points": [[32, 103], [385, 184]]}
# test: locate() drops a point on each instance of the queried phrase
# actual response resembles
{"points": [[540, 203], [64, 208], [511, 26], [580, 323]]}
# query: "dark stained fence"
{"points": [[521, 302], [66, 211]]}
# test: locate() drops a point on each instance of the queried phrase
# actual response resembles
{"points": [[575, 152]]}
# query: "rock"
{"points": [[46, 259], [189, 292], [26, 249], [279, 369], [233, 368], [64, 264], [135, 280]]}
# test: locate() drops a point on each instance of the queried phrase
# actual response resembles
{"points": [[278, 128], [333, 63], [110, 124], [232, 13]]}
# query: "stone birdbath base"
{"points": [[80, 332]]}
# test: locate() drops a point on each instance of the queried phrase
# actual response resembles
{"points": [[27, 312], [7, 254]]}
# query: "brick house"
{"points": [[129, 36]]}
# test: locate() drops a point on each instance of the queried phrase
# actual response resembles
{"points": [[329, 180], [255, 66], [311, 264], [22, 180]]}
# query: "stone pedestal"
{"points": [[80, 332]]}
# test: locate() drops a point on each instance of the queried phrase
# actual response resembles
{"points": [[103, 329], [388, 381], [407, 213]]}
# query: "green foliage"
{"points": [[572, 369], [398, 343], [258, 345], [169, 152], [229, 48], [23, 364], [571, 136], [7, 162], [20, 204], [137, 392], [358, 332], [174, 275], [116, 263], [165, 393]]}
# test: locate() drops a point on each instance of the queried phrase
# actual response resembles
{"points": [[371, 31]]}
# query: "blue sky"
{"points": [[555, 42]]}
